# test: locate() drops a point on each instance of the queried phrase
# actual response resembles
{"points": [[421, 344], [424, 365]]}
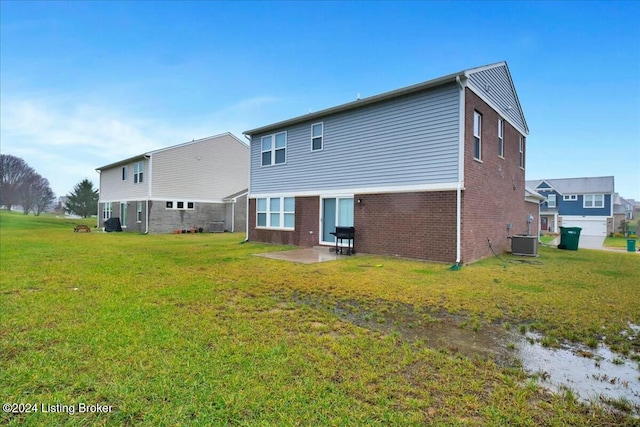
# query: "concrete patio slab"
{"points": [[305, 256]]}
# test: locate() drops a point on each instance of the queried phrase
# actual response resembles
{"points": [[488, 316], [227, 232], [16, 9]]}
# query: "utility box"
{"points": [[216, 227], [524, 245]]}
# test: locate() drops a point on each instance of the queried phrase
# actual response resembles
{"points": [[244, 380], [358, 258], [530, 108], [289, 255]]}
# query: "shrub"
{"points": [[633, 236], [618, 235]]}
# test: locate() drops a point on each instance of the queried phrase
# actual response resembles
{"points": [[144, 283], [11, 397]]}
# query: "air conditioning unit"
{"points": [[216, 227], [524, 245]]}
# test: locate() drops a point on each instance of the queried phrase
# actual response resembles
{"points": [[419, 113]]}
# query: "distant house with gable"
{"points": [[587, 203], [200, 184]]}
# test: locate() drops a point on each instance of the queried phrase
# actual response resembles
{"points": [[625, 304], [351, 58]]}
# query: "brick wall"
{"points": [[307, 221], [413, 225], [163, 220], [494, 188]]}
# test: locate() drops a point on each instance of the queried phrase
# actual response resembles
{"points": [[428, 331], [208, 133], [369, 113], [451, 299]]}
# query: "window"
{"points": [[477, 135], [107, 210], [138, 172], [316, 136], [570, 197], [179, 205], [125, 173], [139, 212], [274, 149], [123, 214], [522, 152], [593, 201], [500, 137], [551, 200], [276, 212]]}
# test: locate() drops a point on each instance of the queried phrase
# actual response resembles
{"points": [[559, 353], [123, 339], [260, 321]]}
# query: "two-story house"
{"points": [[198, 184], [577, 202], [432, 171]]}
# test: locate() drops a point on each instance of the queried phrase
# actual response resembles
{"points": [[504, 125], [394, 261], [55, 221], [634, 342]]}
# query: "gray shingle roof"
{"points": [[589, 185]]}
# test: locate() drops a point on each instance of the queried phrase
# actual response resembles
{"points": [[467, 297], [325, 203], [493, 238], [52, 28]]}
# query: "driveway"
{"points": [[590, 242]]}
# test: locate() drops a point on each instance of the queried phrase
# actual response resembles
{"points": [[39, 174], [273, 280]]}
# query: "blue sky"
{"points": [[84, 84]]}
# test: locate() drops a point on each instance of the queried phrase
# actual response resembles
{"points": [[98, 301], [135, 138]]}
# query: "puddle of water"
{"points": [[602, 376], [595, 375]]}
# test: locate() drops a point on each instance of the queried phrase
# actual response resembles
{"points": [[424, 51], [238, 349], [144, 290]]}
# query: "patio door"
{"points": [[335, 211]]}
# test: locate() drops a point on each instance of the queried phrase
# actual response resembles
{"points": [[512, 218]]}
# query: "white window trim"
{"points": [[107, 210], [138, 172], [555, 201], [501, 138], [321, 136], [139, 212], [477, 133], [569, 197], [281, 213], [174, 205], [273, 149], [124, 213], [593, 201], [521, 154]]}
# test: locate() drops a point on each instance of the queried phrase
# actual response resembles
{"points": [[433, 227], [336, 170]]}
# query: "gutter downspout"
{"points": [[233, 214], [457, 266], [146, 231], [246, 227], [98, 206]]}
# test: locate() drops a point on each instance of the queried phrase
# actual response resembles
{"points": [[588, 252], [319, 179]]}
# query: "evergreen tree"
{"points": [[83, 200]]}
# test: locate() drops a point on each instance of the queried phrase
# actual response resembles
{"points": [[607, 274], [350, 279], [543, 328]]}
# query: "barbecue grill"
{"points": [[348, 234]]}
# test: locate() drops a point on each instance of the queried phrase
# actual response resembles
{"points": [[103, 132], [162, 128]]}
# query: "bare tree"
{"points": [[14, 172], [42, 195]]}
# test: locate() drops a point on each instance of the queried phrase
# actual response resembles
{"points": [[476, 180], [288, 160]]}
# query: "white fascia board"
{"points": [[447, 186], [156, 199]]}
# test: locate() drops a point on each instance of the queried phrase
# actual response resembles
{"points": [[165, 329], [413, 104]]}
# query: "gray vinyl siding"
{"points": [[410, 140], [113, 188], [500, 92], [209, 169]]}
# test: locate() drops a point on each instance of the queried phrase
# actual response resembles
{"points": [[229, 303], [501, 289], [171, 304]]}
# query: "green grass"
{"points": [[618, 242], [547, 238], [194, 330]]}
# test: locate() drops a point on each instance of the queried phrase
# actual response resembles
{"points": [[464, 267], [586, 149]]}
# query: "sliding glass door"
{"points": [[335, 211]]}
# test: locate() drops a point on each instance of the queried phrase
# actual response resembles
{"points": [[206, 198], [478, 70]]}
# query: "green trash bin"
{"points": [[631, 245], [569, 238]]}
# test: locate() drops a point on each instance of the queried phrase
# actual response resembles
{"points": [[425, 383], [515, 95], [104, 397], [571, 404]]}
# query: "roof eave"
{"points": [[360, 103]]}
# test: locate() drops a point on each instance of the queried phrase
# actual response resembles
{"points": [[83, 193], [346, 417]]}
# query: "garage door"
{"points": [[590, 227]]}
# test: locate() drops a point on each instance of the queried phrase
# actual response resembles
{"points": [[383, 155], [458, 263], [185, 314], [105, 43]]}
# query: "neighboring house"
{"points": [[577, 202], [628, 206], [623, 210], [198, 184], [432, 171]]}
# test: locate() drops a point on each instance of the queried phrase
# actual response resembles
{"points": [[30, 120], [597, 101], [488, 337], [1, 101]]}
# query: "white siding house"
{"points": [[198, 184]]}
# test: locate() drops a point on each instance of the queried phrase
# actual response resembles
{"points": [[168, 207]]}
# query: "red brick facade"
{"points": [[412, 225], [493, 188], [305, 233]]}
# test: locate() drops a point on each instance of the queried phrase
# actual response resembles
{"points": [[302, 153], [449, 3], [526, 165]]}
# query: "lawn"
{"points": [[195, 330]]}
